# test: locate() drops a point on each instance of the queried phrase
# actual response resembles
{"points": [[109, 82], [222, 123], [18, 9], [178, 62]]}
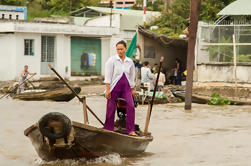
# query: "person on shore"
{"points": [[120, 82], [146, 75], [22, 78], [178, 70]]}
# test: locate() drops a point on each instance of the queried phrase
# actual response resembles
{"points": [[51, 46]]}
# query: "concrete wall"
{"points": [[7, 58], [63, 55], [105, 52], [32, 61], [223, 73]]}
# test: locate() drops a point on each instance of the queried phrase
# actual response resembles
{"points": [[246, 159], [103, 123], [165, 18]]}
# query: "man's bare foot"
{"points": [[133, 133]]}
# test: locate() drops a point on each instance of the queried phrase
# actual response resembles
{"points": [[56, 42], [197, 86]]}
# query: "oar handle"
{"points": [[157, 80], [65, 82], [150, 106], [80, 99]]}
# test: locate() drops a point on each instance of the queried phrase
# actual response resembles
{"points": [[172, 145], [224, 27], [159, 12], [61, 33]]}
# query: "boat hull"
{"points": [[63, 94], [89, 142]]}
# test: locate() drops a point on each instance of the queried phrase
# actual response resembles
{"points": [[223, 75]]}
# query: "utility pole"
{"points": [[111, 6], [70, 6], [194, 18]]}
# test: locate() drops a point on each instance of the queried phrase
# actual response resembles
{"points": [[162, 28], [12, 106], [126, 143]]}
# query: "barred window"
{"points": [[29, 47], [48, 48]]}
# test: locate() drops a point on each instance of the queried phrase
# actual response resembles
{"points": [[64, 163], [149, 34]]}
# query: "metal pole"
{"points": [[194, 16]]}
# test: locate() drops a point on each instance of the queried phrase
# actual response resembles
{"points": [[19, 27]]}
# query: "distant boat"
{"points": [[62, 94]]}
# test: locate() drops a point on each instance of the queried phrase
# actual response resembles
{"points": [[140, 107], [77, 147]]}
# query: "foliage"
{"points": [[221, 53], [244, 58], [13, 2], [218, 100], [158, 5], [174, 21], [62, 7], [46, 8]]}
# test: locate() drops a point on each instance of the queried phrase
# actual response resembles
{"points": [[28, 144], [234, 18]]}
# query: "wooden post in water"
{"points": [[194, 16], [85, 111]]}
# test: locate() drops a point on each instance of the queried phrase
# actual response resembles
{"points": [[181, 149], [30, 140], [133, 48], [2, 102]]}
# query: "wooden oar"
{"points": [[80, 99], [7, 94], [150, 105]]}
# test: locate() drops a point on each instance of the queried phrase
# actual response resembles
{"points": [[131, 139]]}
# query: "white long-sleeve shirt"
{"points": [[114, 69], [146, 75]]}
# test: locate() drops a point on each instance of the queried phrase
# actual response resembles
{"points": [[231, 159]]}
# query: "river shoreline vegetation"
{"points": [[172, 22]]}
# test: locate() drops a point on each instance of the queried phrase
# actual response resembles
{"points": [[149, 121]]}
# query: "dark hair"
{"points": [[177, 60], [146, 63], [121, 42], [155, 64]]}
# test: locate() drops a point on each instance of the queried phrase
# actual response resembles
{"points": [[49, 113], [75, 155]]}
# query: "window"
{"points": [[129, 2], [17, 17], [2, 16], [29, 47], [10, 16], [120, 3], [149, 52], [48, 43]]}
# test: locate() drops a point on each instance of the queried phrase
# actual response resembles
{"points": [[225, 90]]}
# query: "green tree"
{"points": [[62, 7], [173, 21], [13, 2]]}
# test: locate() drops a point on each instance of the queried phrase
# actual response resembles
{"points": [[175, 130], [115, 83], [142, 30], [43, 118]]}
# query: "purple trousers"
{"points": [[121, 90]]}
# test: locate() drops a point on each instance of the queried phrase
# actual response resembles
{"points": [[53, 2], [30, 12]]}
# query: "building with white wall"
{"points": [[126, 20], [13, 12], [73, 50]]}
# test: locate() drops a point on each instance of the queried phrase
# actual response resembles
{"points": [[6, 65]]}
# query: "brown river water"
{"points": [[205, 136]]}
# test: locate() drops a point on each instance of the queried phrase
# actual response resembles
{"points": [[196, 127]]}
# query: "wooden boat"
{"points": [[62, 94], [202, 99], [89, 142], [56, 137]]}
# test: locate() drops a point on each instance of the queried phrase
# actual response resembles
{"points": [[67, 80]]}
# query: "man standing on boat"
{"points": [[120, 82], [22, 78]]}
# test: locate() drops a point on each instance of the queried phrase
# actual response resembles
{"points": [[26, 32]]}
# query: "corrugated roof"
{"points": [[118, 11], [239, 7]]}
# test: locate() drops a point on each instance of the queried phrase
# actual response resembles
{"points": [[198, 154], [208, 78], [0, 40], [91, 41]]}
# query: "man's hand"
{"points": [[34, 73], [107, 94], [134, 93]]}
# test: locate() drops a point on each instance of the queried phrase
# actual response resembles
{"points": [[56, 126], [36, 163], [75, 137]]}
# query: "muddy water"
{"points": [[207, 135]]}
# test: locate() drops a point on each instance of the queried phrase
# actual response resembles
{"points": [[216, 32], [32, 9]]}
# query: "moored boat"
{"points": [[62, 94], [203, 99]]}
